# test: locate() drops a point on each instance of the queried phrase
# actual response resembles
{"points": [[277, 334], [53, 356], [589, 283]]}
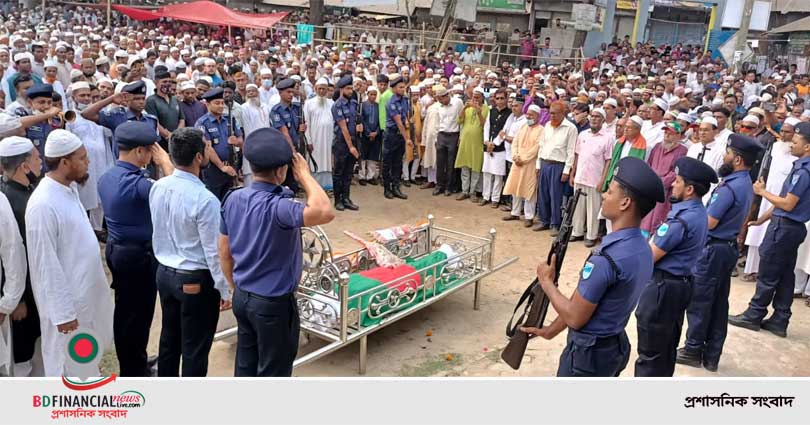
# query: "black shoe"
{"points": [[710, 366], [688, 358], [448, 193], [774, 328], [389, 194], [576, 238], [741, 321], [437, 191], [373, 182], [350, 205], [361, 182], [339, 206], [405, 183], [398, 193], [590, 243]]}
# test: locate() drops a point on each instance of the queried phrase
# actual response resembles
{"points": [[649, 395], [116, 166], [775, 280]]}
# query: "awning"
{"points": [[795, 26], [204, 12]]}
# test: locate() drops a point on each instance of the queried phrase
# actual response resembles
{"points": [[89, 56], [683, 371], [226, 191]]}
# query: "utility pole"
{"points": [[742, 34], [447, 23], [316, 19]]}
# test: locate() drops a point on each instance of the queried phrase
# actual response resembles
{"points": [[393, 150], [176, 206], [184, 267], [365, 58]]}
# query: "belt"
{"points": [[185, 272], [601, 341], [665, 275], [265, 298], [548, 161], [449, 133], [717, 241], [145, 244], [787, 220]]}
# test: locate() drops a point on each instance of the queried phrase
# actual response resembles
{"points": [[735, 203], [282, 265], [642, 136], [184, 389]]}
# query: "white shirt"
{"points": [[713, 156], [12, 260], [558, 144], [513, 125], [448, 115], [653, 134]]}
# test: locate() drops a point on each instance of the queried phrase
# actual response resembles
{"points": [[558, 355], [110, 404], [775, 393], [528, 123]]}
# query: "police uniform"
{"points": [[707, 313], [217, 130], [370, 150], [263, 225], [613, 278], [111, 118], [288, 116], [39, 132], [344, 110], [660, 311], [124, 193], [394, 144], [786, 232]]}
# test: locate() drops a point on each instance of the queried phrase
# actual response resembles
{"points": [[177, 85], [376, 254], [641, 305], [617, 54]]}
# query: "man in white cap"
{"points": [[67, 277], [653, 129], [20, 162], [522, 180], [266, 88], [610, 105], [710, 150], [255, 115], [320, 131]]}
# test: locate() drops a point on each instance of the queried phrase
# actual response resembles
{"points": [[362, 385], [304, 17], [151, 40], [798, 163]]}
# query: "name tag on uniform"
{"points": [[215, 141]]}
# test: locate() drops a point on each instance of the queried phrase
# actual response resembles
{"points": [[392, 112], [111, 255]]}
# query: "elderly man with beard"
{"points": [[255, 115], [319, 132], [662, 160]]}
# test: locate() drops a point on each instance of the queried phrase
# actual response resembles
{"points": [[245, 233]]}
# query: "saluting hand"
{"points": [[159, 155], [299, 166]]}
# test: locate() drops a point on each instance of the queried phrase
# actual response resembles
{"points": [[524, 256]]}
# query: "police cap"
{"points": [[267, 149], [396, 81], [803, 129], [695, 171], [40, 90], [138, 87], [136, 133], [345, 81], [285, 84], [213, 94], [744, 144], [159, 75], [637, 176]]}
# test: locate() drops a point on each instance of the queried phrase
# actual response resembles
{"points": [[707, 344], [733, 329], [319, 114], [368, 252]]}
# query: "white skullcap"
{"points": [[251, 86], [534, 108], [79, 85], [478, 90], [187, 85], [709, 120], [766, 97], [751, 118], [637, 120], [50, 64], [24, 55], [791, 121], [683, 116], [559, 92], [457, 87], [322, 82], [405, 69], [15, 145], [415, 89], [60, 143], [612, 102], [210, 61], [457, 70], [265, 71], [661, 104], [372, 89], [806, 113], [600, 111], [296, 78]]}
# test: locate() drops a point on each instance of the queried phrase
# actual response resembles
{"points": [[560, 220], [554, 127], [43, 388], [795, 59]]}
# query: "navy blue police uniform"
{"points": [[217, 130], [660, 311], [344, 110], [113, 117], [394, 143], [124, 193], [785, 233], [370, 149], [707, 314], [287, 116], [38, 133], [263, 225], [613, 278]]}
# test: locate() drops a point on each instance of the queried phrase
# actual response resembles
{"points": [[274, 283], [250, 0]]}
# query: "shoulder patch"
{"points": [[713, 198], [795, 179], [662, 230], [587, 269]]}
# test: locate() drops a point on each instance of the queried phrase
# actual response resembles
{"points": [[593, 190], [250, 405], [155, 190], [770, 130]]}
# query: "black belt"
{"points": [[548, 161], [265, 298], [145, 244], [185, 272], [449, 133], [787, 220], [659, 274], [716, 241], [603, 341]]}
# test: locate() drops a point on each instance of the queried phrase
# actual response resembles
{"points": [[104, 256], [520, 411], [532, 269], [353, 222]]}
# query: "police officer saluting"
{"points": [[124, 193], [396, 138], [611, 280], [786, 231], [220, 175], [344, 112], [728, 207], [676, 247], [260, 251]]}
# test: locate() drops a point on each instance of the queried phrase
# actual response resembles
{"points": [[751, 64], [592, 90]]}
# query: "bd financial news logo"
{"points": [[83, 355]]}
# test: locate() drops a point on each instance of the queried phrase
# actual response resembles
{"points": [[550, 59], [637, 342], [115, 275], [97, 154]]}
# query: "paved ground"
{"points": [[464, 342]]}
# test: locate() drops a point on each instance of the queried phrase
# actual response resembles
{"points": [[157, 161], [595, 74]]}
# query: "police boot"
{"points": [[743, 321], [339, 203], [398, 193], [388, 193], [774, 328], [688, 357], [347, 202]]}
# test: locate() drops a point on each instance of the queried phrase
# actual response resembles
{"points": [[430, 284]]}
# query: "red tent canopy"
{"points": [[204, 12]]}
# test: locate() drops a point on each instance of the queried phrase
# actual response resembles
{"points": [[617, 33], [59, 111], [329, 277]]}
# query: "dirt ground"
{"points": [[464, 342]]}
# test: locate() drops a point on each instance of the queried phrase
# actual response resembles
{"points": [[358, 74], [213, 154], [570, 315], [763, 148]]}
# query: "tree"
{"points": [[316, 18]]}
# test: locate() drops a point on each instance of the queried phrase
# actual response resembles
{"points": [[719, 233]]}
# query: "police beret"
{"points": [[159, 75], [267, 148], [803, 129], [40, 90], [637, 176], [345, 81], [396, 81], [138, 87], [213, 94], [136, 133], [286, 83], [695, 171], [744, 144]]}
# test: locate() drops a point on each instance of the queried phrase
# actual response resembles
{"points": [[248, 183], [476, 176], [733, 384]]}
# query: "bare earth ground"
{"points": [[464, 342]]}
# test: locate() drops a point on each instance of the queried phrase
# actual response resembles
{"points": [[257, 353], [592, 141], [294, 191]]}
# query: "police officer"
{"points": [[260, 250], [134, 97], [38, 133], [124, 193], [611, 280], [344, 112], [396, 139], [220, 138], [676, 246], [786, 231], [728, 207], [285, 118]]}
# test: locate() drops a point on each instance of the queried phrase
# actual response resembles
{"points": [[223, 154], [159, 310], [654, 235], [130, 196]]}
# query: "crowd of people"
{"points": [[137, 136]]}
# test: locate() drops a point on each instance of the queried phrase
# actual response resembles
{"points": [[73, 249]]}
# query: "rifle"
{"points": [[303, 145], [536, 301], [235, 155]]}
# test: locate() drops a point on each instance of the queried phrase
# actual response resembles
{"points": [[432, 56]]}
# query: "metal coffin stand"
{"points": [[323, 293]]}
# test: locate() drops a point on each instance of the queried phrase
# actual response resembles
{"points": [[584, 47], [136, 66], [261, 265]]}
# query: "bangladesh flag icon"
{"points": [[83, 351], [83, 348]]}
